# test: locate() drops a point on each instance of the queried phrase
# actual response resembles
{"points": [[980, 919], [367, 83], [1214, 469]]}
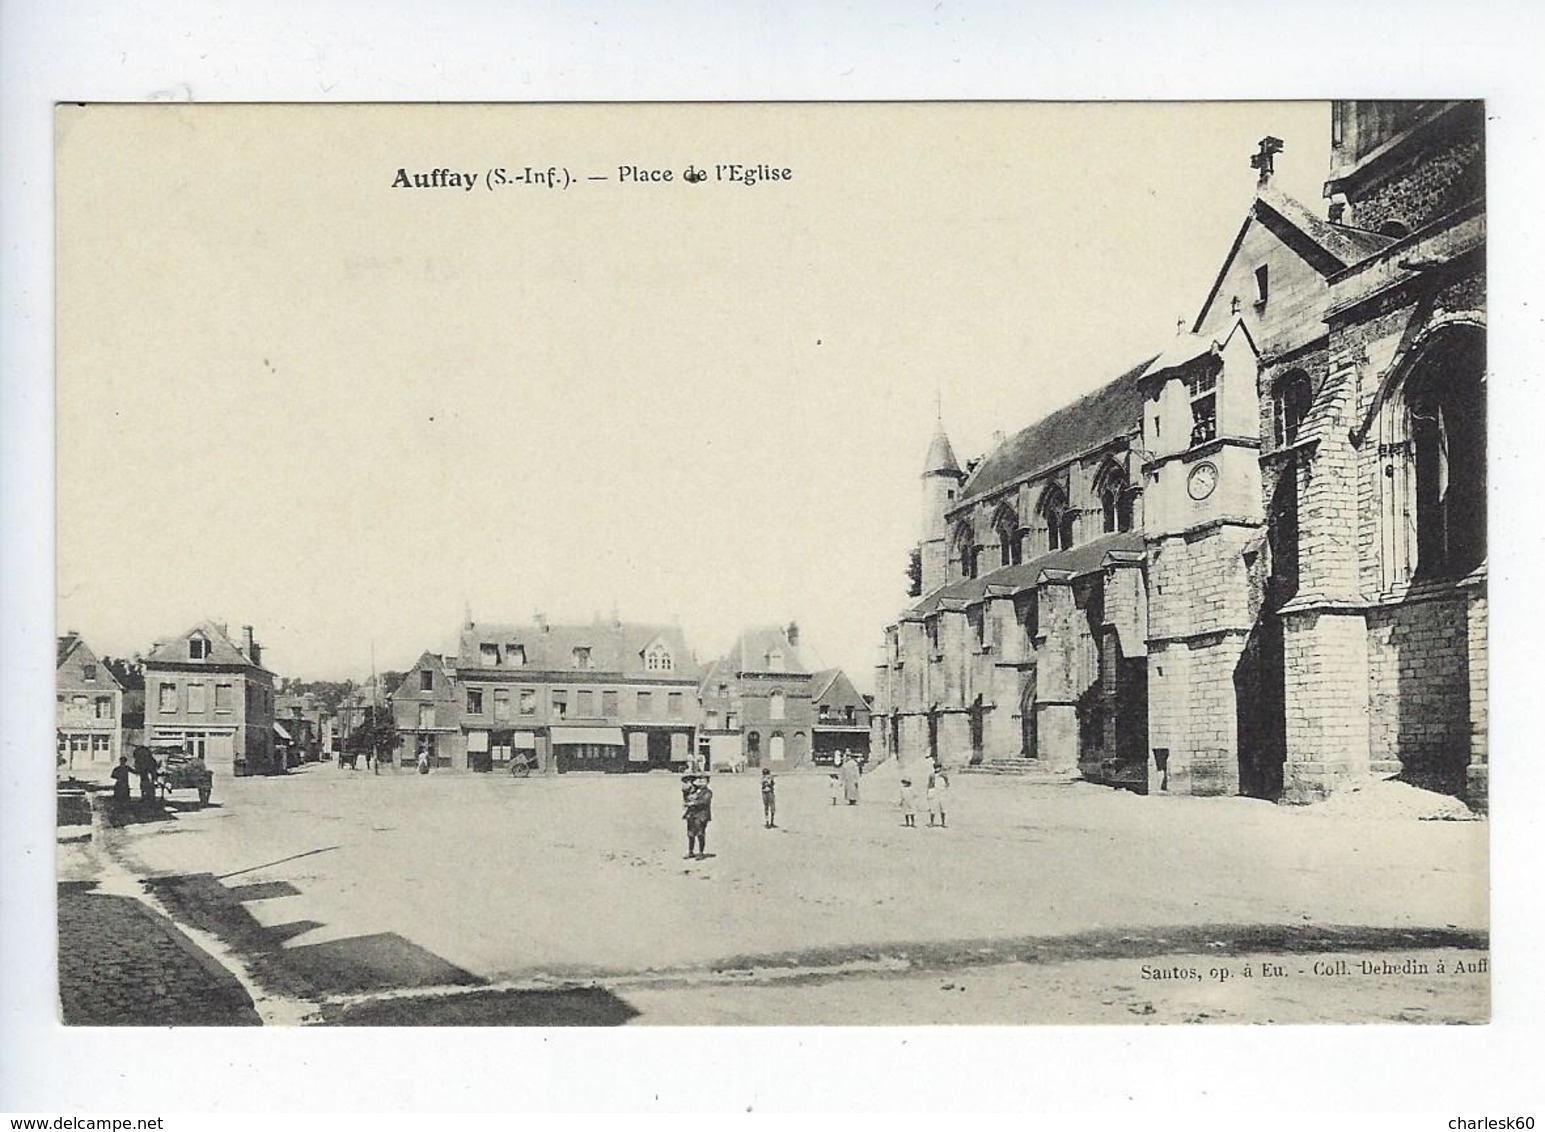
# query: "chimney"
{"points": [[253, 650], [792, 632], [997, 439], [539, 619]]}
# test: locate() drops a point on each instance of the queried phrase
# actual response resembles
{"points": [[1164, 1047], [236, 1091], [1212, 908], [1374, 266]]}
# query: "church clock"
{"points": [[1202, 480]]}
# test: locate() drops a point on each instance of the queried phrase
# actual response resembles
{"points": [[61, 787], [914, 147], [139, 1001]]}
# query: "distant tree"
{"points": [[129, 673], [329, 693], [390, 681], [377, 733], [915, 572]]}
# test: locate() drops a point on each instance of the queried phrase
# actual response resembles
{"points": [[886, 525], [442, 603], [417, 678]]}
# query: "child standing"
{"points": [[698, 812], [938, 795], [908, 804], [769, 797], [836, 787]]}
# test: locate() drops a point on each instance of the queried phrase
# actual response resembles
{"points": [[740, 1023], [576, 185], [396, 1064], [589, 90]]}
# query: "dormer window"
{"points": [[515, 656], [198, 647], [1203, 389], [581, 657], [659, 659], [490, 654]]}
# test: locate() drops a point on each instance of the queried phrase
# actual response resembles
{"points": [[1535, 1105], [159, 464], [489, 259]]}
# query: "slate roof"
{"points": [[941, 457], [614, 648], [1349, 245], [1114, 410], [222, 650], [66, 645], [750, 654], [832, 686], [1324, 246], [1085, 558]]}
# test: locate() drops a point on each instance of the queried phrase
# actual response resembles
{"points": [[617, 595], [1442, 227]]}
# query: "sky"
{"points": [[293, 396]]}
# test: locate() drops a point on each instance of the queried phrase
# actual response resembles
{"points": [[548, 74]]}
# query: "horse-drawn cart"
{"points": [[181, 770]]}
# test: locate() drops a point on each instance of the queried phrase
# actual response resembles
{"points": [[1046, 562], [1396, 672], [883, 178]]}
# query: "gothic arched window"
{"points": [[1291, 399], [1011, 547], [1446, 403], [966, 551], [1115, 493], [1058, 517]]}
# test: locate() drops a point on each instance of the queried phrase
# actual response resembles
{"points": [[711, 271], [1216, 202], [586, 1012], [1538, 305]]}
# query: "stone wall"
{"points": [[1419, 691]]}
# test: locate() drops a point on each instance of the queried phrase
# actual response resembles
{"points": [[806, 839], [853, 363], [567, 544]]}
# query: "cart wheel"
{"points": [[203, 795]]}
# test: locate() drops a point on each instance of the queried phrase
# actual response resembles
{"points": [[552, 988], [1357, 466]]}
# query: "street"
{"points": [[460, 899]]}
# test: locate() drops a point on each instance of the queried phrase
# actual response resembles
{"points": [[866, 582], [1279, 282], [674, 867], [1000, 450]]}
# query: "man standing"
{"points": [[850, 780], [145, 766]]}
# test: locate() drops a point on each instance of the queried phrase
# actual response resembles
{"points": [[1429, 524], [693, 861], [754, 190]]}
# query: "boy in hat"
{"points": [[769, 797], [698, 812]]}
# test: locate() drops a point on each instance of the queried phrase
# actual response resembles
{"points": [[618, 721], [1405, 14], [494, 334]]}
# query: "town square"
{"points": [[904, 614]]}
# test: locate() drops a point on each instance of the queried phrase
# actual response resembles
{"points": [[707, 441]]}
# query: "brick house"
{"points": [[609, 696], [1254, 563], [214, 695], [841, 716], [756, 701], [89, 709]]}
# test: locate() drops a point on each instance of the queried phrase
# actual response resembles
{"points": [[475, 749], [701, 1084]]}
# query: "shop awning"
{"points": [[594, 736], [282, 733]]}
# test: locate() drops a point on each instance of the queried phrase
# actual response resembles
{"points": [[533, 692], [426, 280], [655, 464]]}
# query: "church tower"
{"points": [[942, 478]]}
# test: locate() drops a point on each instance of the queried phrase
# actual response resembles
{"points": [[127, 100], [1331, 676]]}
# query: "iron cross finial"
{"points": [[1262, 159]]}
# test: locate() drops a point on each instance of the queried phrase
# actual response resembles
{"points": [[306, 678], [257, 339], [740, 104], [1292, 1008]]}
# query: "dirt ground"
{"points": [[1036, 904]]}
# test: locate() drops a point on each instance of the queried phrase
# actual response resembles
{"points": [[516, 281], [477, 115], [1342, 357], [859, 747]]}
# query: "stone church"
{"points": [[1255, 562]]}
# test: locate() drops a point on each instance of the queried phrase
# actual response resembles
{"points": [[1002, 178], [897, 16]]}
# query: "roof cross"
{"points": [[1261, 160]]}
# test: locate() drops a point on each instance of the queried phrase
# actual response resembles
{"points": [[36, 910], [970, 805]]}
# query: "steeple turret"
{"points": [[942, 478]]}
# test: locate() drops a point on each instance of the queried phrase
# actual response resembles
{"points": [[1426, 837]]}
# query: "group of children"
{"points": [[697, 803], [937, 798]]}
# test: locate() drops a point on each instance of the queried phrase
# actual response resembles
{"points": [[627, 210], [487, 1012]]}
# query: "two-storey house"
{"points": [[203, 688], [88, 710]]}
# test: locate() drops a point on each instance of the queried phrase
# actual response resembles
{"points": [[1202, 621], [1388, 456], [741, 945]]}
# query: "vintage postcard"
{"points": [[772, 564]]}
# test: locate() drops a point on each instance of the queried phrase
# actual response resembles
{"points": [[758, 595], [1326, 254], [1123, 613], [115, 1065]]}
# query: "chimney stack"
{"points": [[793, 633], [253, 650], [540, 620], [997, 439]]}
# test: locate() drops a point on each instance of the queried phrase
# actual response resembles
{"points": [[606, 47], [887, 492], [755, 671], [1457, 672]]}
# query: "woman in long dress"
{"points": [[850, 780]]}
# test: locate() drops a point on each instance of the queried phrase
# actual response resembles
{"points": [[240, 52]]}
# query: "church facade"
{"points": [[1255, 562]]}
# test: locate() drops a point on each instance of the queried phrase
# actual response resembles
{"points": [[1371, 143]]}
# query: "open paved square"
{"points": [[456, 898]]}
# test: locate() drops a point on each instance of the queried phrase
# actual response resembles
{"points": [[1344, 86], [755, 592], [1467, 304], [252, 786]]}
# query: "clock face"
{"points": [[1203, 478]]}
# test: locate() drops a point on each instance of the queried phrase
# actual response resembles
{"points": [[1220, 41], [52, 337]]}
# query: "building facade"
{"points": [[608, 696], [757, 708], [89, 710], [841, 720], [216, 697], [1256, 562]]}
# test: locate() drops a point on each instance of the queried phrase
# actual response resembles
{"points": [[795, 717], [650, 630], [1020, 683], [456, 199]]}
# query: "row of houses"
{"points": [[621, 696], [608, 695], [202, 688]]}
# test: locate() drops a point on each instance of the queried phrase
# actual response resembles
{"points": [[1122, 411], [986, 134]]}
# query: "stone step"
{"points": [[1020, 768]]}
